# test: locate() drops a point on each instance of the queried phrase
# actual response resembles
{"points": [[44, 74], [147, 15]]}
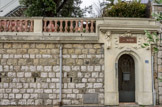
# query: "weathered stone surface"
{"points": [[31, 73], [90, 99], [160, 100]]}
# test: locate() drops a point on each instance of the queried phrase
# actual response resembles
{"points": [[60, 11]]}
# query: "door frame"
{"points": [[138, 71], [143, 83]]}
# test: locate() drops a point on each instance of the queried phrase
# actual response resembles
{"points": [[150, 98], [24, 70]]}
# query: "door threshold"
{"points": [[128, 104]]}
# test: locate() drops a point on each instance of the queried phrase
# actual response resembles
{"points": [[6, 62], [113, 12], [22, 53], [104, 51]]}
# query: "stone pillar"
{"points": [[38, 25]]}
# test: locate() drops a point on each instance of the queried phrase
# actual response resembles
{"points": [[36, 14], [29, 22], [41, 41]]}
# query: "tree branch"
{"points": [[61, 6]]}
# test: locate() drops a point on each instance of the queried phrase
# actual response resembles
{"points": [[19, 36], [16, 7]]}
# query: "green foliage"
{"points": [[152, 39], [157, 16], [39, 7], [71, 9], [125, 9], [52, 8], [158, 1]]}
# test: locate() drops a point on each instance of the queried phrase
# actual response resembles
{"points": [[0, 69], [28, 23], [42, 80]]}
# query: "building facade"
{"points": [[46, 61]]}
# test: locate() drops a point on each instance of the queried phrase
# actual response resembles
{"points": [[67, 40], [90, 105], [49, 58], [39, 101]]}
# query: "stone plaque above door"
{"points": [[127, 39]]}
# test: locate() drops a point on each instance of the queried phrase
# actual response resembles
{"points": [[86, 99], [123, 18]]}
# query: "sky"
{"points": [[88, 3]]}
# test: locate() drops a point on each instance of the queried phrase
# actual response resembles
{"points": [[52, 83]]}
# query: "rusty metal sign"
{"points": [[127, 39]]}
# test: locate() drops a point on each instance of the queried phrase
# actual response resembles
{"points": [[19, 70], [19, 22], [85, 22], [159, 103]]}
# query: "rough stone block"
{"points": [[33, 51], [159, 61], [1, 68], [18, 96], [90, 68], [44, 85], [32, 68], [91, 79], [70, 61], [11, 96], [75, 102], [47, 68], [21, 51], [66, 102], [24, 68], [39, 68], [84, 80], [51, 74], [20, 74], [78, 51], [38, 91], [65, 68], [7, 45], [97, 68], [79, 95], [70, 51], [88, 45], [95, 74], [48, 90], [160, 99], [83, 68], [43, 74], [71, 85], [55, 80], [27, 74], [26, 96], [89, 85], [75, 91], [6, 68], [96, 46], [11, 74], [160, 90], [32, 85], [56, 68], [15, 90], [52, 85], [80, 46], [46, 56], [17, 56], [90, 91], [5, 55], [84, 51], [67, 91], [71, 96], [66, 56], [40, 46], [79, 61], [67, 46], [98, 85], [75, 68], [80, 85], [92, 51], [5, 102], [55, 51], [87, 75]]}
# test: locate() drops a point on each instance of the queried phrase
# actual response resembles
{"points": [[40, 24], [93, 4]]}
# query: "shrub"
{"points": [[125, 9]]}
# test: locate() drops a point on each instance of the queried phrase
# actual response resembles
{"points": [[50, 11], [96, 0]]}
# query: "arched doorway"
{"points": [[126, 78]]}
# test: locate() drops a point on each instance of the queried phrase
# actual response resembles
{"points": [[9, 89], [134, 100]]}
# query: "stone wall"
{"points": [[160, 74], [29, 73]]}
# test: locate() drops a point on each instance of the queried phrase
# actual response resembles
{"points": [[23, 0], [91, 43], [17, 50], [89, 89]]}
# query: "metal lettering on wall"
{"points": [[127, 40]]}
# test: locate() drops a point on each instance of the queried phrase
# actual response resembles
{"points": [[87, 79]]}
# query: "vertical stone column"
{"points": [[38, 25]]}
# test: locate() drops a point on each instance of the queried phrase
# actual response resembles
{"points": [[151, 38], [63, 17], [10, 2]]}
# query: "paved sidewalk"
{"points": [[88, 106]]}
